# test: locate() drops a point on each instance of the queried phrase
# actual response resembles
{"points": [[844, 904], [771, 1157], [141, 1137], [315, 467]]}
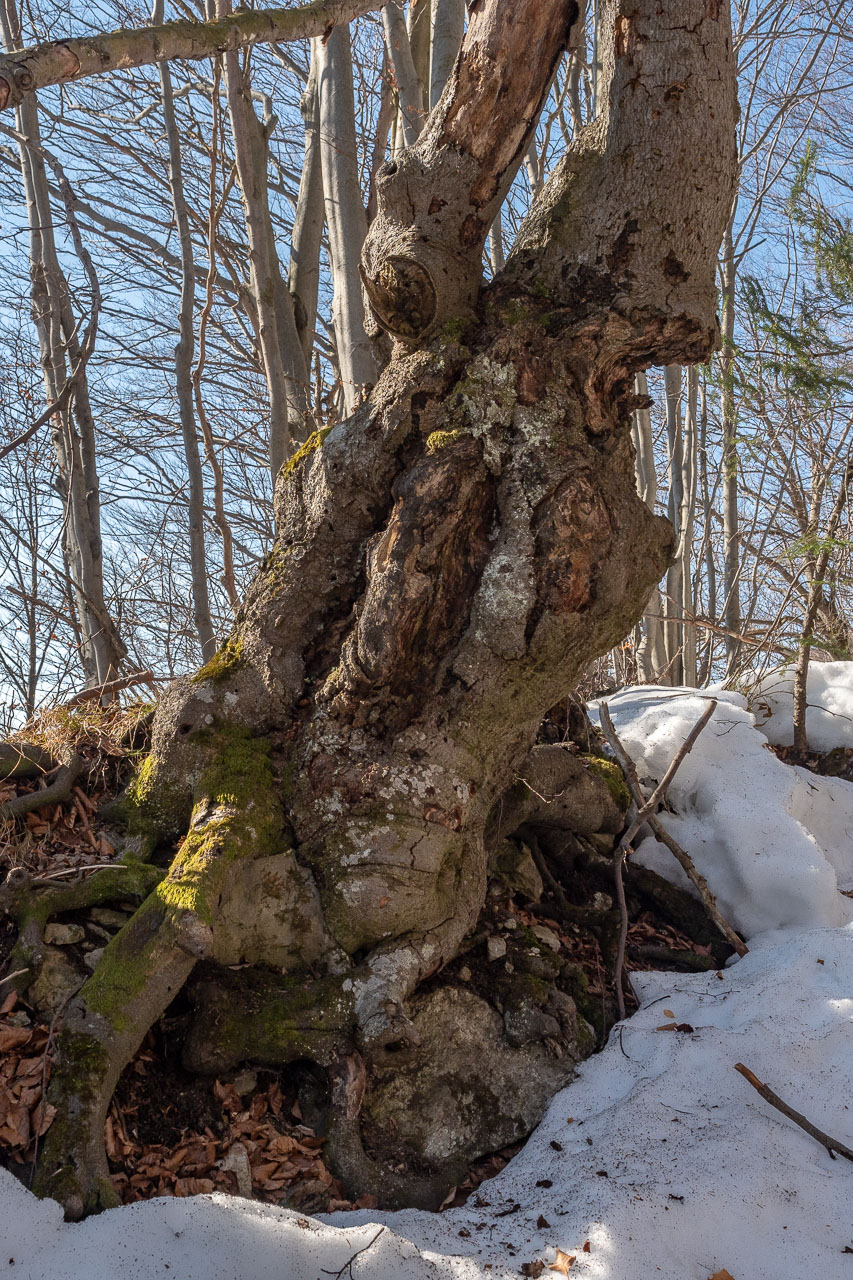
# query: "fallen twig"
{"points": [[348, 1264], [17, 974], [619, 854], [768, 1095]]}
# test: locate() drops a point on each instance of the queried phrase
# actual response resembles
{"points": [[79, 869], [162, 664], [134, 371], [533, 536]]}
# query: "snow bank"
{"points": [[659, 1161], [829, 713], [659, 1155], [775, 843]]}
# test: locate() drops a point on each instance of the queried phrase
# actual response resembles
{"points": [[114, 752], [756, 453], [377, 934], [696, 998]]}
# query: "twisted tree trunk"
{"points": [[449, 559]]}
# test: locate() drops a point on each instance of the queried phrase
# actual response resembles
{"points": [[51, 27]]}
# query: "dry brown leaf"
{"points": [[12, 1037], [722, 1275], [43, 1118], [15, 1132], [562, 1262]]}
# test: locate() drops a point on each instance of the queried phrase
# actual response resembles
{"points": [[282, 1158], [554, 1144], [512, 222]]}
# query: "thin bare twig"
{"points": [[768, 1095], [348, 1264], [646, 810], [17, 974]]}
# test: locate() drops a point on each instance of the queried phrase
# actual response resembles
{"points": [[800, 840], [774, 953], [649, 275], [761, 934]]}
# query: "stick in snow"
{"points": [[775, 1101], [646, 810]]}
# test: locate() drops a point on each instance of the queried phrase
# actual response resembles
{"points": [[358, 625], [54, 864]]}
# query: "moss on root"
{"points": [[237, 814], [228, 659], [439, 440], [610, 772]]}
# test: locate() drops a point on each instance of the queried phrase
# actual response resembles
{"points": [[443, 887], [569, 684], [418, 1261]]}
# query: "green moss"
{"points": [[439, 440], [313, 443], [514, 312], [237, 789], [613, 776], [225, 661], [153, 807], [576, 984], [454, 330]]}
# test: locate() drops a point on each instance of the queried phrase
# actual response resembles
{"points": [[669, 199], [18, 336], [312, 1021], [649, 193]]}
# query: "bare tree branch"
{"points": [[61, 61]]}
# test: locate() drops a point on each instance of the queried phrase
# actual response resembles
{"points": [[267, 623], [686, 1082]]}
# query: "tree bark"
{"points": [[449, 560]]}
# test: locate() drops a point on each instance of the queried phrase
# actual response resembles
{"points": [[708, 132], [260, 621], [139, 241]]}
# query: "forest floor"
{"points": [[658, 1160]]}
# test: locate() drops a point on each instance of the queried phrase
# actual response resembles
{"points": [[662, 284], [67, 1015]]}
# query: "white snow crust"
{"points": [[659, 1157], [829, 705]]}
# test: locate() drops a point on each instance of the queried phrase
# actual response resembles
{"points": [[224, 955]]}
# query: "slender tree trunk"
{"points": [[409, 92], [282, 354], [731, 617], [184, 352], [73, 428], [418, 21], [651, 648], [686, 527], [214, 209], [346, 220], [674, 579], [447, 27], [304, 280]]}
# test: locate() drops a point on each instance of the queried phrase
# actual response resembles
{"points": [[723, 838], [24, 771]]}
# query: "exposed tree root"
{"points": [[31, 906], [60, 789], [351, 1163], [24, 760]]}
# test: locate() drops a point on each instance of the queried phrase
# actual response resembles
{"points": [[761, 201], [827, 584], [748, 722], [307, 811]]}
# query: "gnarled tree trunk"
{"points": [[449, 559]]}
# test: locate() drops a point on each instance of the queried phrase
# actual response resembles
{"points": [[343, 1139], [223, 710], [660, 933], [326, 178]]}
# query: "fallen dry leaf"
{"points": [[722, 1275], [562, 1262], [12, 1037]]}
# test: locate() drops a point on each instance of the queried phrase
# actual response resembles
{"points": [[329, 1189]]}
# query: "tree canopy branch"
{"points": [[62, 61]]}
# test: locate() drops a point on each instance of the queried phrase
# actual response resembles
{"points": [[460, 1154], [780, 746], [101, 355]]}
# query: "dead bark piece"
{"points": [[831, 1145]]}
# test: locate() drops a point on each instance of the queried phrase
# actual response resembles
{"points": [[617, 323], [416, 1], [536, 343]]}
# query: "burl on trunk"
{"points": [[448, 561]]}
